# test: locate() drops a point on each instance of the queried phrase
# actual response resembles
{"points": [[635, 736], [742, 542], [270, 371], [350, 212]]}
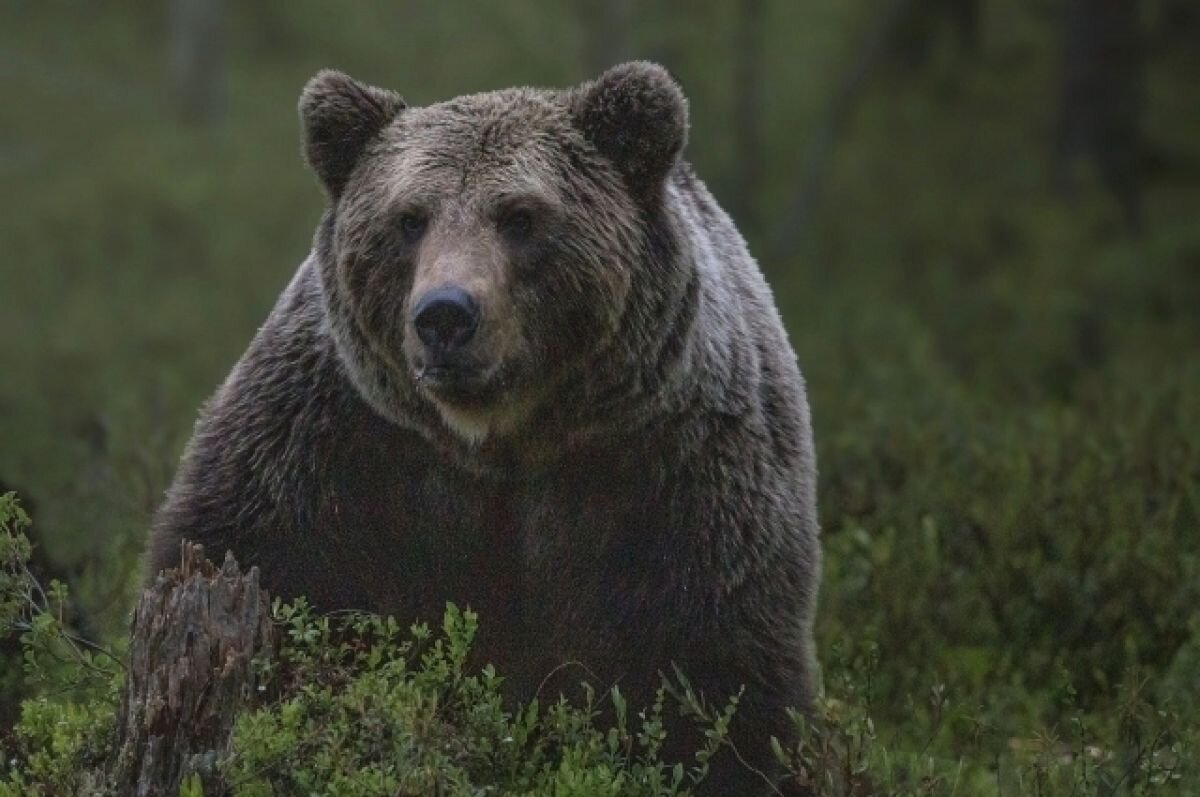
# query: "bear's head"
{"points": [[483, 257]]}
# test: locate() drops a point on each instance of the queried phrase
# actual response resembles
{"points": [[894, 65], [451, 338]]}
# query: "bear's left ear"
{"points": [[635, 114], [340, 116]]}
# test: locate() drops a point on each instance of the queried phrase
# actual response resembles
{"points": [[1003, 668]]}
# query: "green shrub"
{"points": [[364, 709], [63, 732]]}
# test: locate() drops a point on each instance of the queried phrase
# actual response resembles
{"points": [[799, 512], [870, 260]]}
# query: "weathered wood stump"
{"points": [[194, 636]]}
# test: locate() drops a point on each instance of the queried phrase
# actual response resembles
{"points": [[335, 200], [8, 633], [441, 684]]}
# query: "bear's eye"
{"points": [[517, 224], [412, 226]]}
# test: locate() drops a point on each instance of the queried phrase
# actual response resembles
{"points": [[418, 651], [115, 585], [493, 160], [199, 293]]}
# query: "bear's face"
{"points": [[481, 251]]}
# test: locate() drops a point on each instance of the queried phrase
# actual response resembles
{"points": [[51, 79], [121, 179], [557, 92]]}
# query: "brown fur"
{"points": [[629, 479]]}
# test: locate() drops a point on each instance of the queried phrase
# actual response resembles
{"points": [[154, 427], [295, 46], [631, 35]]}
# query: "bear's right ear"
{"points": [[339, 116], [635, 114]]}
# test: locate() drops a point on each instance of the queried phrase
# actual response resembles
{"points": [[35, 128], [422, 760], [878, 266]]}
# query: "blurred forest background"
{"points": [[981, 220]]}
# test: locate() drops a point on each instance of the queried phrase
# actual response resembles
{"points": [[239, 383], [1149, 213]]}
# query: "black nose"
{"points": [[446, 319]]}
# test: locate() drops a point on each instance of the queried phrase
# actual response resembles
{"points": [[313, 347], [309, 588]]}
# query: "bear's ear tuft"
{"points": [[635, 114], [339, 116]]}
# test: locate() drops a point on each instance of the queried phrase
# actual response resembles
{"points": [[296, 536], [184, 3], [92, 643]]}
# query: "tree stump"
{"points": [[194, 636]]}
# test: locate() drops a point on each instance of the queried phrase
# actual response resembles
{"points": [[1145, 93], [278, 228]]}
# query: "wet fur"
{"points": [[648, 498]]}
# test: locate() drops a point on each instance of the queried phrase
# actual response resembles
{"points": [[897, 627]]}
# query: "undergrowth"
{"points": [[356, 705]]}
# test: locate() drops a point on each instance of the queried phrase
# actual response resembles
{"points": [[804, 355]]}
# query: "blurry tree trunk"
{"points": [[195, 634], [966, 16], [832, 124], [748, 88], [606, 26], [197, 59], [916, 35], [1102, 98], [1178, 22]]}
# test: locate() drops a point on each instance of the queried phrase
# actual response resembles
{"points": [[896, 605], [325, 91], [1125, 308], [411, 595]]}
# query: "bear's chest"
{"points": [[435, 534], [559, 567]]}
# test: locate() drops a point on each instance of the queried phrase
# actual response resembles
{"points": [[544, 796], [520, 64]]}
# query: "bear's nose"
{"points": [[446, 319]]}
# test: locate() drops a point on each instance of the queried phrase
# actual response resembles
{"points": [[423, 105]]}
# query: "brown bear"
{"points": [[529, 367]]}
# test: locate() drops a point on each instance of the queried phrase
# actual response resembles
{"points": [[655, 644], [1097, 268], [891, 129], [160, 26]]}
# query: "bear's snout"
{"points": [[445, 320]]}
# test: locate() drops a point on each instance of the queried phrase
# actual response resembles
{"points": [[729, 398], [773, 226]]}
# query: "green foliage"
{"points": [[55, 747], [365, 710], [14, 554], [51, 652], [945, 748], [57, 738]]}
